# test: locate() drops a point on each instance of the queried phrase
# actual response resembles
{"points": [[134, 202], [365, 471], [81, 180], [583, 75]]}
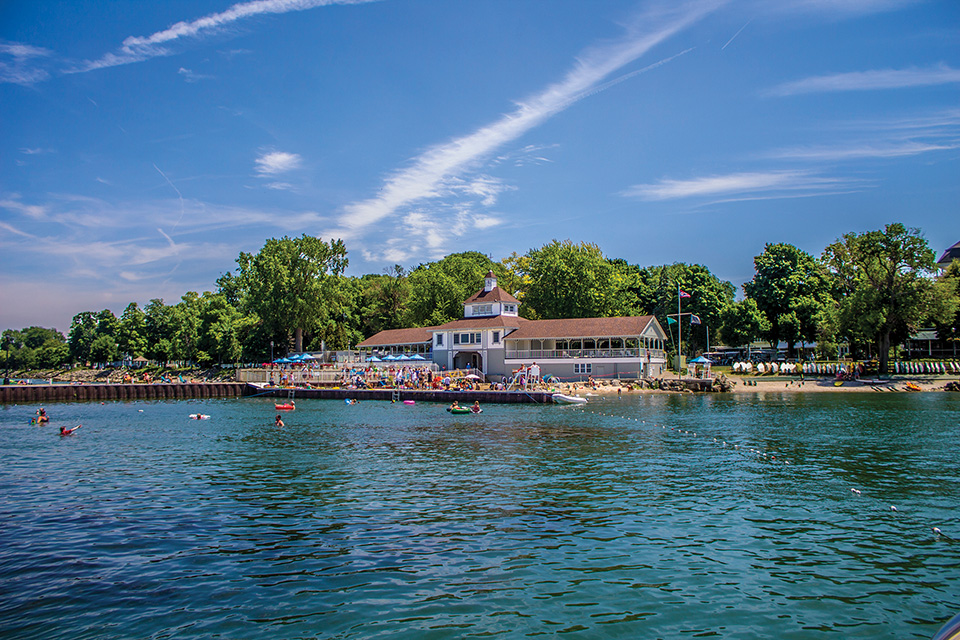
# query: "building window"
{"points": [[509, 308], [439, 339], [483, 309], [496, 337], [583, 368], [466, 338]]}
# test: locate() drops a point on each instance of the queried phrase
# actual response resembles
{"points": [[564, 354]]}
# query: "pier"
{"points": [[35, 393]]}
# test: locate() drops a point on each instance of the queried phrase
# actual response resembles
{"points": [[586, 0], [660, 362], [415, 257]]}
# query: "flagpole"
{"points": [[679, 334]]}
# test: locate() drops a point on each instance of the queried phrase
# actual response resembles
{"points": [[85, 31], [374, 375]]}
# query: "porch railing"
{"points": [[566, 354]]}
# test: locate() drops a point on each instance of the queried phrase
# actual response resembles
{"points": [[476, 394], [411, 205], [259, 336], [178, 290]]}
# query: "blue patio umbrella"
{"points": [[374, 359], [701, 360], [283, 361], [390, 358], [417, 356]]}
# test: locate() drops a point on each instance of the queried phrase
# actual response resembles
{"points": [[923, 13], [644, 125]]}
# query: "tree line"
{"points": [[868, 290]]}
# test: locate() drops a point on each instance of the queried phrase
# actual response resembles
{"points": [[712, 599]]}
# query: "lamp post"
{"points": [[271, 351]]}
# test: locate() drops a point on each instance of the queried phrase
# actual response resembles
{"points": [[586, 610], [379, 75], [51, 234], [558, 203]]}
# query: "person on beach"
{"points": [[278, 422], [69, 432]]}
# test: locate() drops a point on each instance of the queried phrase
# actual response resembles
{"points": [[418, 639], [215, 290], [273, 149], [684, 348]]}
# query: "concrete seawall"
{"points": [[34, 393], [463, 397], [30, 393]]}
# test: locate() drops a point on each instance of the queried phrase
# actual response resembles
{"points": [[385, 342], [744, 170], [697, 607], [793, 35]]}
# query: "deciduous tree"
{"points": [[438, 289], [886, 277], [569, 280], [290, 282], [789, 287]]}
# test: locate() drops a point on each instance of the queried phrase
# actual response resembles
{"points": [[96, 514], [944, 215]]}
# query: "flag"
{"points": [[694, 319], [671, 321], [684, 294]]}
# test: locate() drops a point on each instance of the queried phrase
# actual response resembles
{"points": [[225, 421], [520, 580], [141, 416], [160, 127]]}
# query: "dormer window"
{"points": [[509, 308], [483, 309]]}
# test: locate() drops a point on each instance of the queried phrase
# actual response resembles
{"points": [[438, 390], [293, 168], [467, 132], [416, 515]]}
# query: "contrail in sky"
{"points": [[139, 48], [736, 34], [426, 176], [179, 195]]}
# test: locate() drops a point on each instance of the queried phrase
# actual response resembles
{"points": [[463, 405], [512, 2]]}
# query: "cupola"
{"points": [[490, 282]]}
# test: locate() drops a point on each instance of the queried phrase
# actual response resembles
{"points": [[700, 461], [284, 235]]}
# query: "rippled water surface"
{"points": [[387, 520]]}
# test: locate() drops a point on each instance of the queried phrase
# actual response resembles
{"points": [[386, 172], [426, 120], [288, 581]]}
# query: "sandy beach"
{"points": [[777, 385]]}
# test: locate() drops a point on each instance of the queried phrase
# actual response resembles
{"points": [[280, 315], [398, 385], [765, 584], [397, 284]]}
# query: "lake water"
{"points": [[395, 521]]}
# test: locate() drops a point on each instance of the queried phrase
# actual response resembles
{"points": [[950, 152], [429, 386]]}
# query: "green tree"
{"points": [[54, 353], [103, 349], [383, 301], [790, 287], [48, 346], [290, 283], [742, 323], [107, 324], [341, 325], [568, 280], [947, 317], [185, 323], [132, 331], [657, 294], [513, 277], [886, 278], [220, 330], [438, 289], [158, 320], [83, 331]]}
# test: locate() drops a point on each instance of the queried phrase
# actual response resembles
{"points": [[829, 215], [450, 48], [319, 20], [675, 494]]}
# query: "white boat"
{"points": [[560, 398]]}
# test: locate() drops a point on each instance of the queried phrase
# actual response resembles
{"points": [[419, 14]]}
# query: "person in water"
{"points": [[69, 432], [279, 421], [476, 407], [455, 405], [42, 415]]}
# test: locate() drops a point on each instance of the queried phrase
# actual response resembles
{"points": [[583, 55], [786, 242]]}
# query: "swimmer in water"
{"points": [[69, 432], [278, 422]]}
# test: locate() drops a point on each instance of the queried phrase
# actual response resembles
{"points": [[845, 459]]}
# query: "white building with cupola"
{"points": [[493, 338]]}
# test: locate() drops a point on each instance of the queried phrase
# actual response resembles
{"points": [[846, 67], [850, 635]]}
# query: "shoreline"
{"points": [[776, 385]]}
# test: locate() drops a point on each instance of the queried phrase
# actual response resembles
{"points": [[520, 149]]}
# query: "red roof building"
{"points": [[493, 339]]}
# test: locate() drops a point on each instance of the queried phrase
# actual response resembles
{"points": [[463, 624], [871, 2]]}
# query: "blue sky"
{"points": [[144, 145]]}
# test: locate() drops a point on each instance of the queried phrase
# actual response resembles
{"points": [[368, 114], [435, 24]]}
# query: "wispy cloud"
{"points": [[32, 211], [276, 162], [892, 137], [430, 174], [139, 48], [9, 228], [18, 63], [191, 76], [869, 80], [783, 183], [836, 7], [860, 151]]}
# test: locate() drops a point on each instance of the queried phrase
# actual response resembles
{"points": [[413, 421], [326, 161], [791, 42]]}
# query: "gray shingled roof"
{"points": [[582, 328], [951, 254]]}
